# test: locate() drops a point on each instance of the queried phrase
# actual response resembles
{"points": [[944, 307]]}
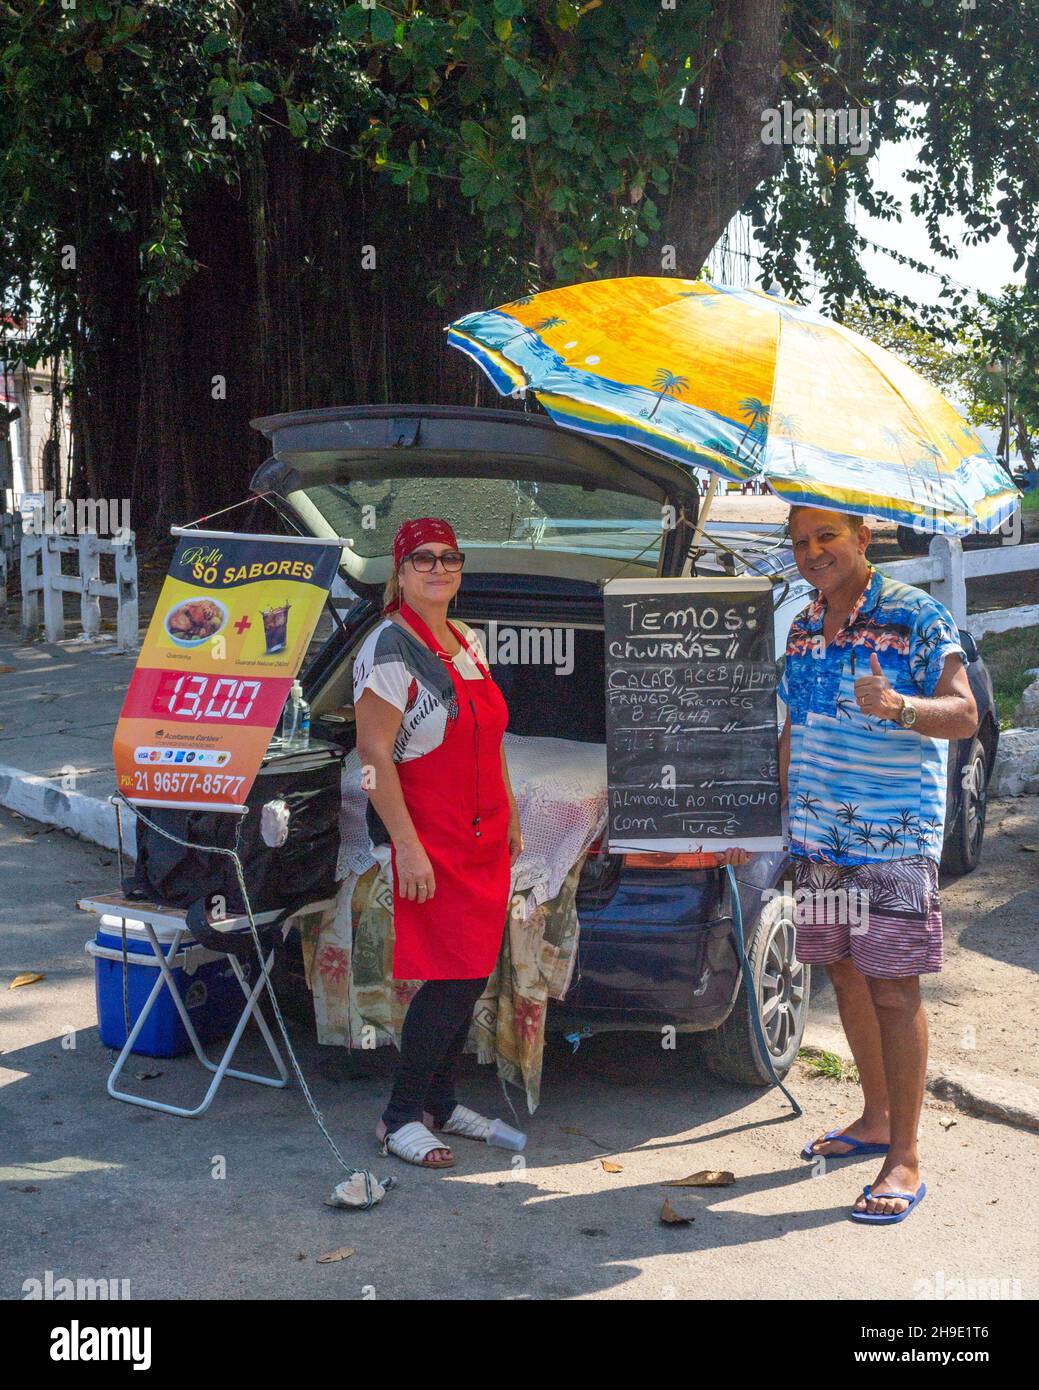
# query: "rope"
{"points": [[232, 854], [752, 993], [243, 502]]}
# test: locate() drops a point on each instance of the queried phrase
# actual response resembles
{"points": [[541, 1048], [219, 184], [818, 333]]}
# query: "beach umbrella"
{"points": [[749, 386]]}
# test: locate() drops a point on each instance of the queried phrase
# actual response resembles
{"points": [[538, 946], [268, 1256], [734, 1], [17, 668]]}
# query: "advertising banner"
{"points": [[228, 635]]}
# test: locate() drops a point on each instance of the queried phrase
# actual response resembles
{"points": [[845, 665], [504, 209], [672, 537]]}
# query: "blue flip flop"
{"points": [[858, 1146], [875, 1219]]}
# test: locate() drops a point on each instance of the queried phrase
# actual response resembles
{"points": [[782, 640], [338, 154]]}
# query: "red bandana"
{"points": [[411, 534]]}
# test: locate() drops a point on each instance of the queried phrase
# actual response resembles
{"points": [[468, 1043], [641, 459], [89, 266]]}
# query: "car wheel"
{"points": [[782, 985], [962, 848], [912, 542]]}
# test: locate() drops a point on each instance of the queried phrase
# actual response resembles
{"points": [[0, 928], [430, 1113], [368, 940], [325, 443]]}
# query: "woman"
{"points": [[429, 732]]}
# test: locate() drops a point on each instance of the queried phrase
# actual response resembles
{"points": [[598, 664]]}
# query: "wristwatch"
{"points": [[907, 714]]}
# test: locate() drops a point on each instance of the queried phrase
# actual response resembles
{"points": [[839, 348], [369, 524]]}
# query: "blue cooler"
{"points": [[205, 980]]}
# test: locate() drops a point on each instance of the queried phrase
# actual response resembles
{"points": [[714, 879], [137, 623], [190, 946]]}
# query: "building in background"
{"points": [[29, 461]]}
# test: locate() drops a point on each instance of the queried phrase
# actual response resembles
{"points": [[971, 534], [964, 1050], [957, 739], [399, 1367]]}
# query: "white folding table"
{"points": [[153, 915]]}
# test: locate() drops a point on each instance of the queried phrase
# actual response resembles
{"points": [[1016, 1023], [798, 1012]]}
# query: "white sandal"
{"points": [[467, 1123], [413, 1143]]}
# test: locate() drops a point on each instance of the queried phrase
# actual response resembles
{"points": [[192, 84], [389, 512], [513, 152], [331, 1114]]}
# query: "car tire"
{"points": [[962, 848], [731, 1050], [912, 542]]}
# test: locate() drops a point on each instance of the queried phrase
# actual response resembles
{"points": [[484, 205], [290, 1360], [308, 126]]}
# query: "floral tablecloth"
{"points": [[357, 1003]]}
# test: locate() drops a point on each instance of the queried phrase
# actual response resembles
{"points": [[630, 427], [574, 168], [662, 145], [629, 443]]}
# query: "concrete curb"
{"points": [[41, 799], [980, 1093], [974, 1092]]}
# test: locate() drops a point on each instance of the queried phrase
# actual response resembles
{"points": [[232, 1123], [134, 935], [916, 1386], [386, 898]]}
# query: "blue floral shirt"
{"points": [[864, 790]]}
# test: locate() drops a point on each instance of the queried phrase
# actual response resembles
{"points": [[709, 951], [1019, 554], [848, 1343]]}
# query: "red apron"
{"points": [[457, 801]]}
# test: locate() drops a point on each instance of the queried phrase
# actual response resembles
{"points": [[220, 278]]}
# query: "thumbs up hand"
{"points": [[875, 694]]}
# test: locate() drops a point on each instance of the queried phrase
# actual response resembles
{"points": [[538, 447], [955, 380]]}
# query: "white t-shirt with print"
{"points": [[394, 678]]}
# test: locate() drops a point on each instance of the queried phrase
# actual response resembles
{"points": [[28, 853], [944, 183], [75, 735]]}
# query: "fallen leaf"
{"points": [[946, 1123], [1031, 849], [4, 670], [670, 1217], [28, 977], [609, 1167], [707, 1177], [147, 1075], [343, 1253], [30, 1187]]}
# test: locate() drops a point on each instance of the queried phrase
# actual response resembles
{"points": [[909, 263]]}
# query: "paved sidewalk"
{"points": [[59, 705], [230, 1205]]}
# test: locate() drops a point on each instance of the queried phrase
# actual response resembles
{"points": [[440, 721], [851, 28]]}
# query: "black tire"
{"points": [[731, 1051], [963, 839], [912, 542]]}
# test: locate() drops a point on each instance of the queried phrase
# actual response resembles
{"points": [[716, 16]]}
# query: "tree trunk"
{"points": [[282, 314], [724, 159]]}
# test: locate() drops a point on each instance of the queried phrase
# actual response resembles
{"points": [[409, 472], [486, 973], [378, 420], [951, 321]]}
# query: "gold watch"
{"points": [[907, 714]]}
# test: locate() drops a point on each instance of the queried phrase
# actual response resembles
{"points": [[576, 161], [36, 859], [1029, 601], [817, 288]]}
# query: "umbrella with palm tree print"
{"points": [[749, 386]]}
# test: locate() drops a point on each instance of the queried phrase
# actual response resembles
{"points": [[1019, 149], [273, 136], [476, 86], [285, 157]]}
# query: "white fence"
{"points": [[10, 546], [41, 575], [947, 567]]}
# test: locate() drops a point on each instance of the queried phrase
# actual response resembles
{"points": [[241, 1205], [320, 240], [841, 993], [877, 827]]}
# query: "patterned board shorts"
{"points": [[886, 917]]}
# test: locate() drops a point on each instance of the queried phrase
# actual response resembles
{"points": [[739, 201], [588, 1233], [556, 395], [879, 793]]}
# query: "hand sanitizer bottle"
{"points": [[303, 726], [290, 718]]}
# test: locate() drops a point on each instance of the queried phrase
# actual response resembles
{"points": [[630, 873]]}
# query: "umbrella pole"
{"points": [[701, 519]]}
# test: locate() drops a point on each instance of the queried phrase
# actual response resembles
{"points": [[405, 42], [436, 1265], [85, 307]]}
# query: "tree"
{"points": [[1002, 340], [217, 211]]}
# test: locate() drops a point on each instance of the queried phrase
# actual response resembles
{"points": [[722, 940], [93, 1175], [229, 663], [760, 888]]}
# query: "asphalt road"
{"points": [[94, 1189]]}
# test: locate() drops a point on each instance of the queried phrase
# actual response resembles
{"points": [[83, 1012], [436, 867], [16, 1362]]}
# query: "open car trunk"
{"points": [[560, 698], [547, 657], [525, 497]]}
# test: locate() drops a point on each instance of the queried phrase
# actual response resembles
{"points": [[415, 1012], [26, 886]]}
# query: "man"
{"points": [[875, 685]]}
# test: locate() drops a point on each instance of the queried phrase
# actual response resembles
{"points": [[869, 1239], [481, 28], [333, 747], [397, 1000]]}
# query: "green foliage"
{"points": [[116, 117], [557, 137], [958, 80], [827, 1064], [1008, 655]]}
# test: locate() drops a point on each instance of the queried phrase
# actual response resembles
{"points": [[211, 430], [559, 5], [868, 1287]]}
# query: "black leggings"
{"points": [[431, 1042]]}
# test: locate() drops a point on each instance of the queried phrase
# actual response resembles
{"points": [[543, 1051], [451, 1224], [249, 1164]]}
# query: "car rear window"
{"points": [[494, 512]]}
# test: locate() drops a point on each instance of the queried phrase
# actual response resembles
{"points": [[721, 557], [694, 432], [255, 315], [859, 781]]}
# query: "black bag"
{"points": [[301, 870]]}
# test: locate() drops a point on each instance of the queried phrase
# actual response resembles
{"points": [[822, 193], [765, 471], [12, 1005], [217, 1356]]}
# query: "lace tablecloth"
{"points": [[560, 789]]}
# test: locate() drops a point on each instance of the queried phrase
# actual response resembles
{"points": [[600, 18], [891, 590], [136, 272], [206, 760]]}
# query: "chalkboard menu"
{"points": [[691, 737]]}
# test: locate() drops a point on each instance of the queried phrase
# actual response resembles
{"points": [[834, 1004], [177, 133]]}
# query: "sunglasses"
{"points": [[424, 561]]}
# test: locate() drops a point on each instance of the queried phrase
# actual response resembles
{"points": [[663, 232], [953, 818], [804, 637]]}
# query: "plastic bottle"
{"points": [[303, 726], [290, 718]]}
